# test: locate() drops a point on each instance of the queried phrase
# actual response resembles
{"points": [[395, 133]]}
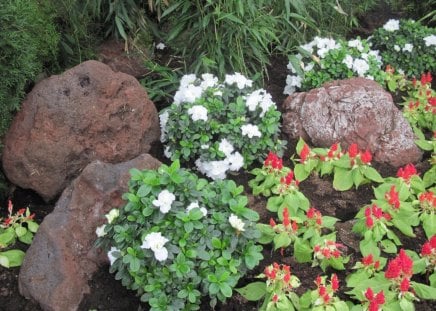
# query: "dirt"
{"points": [[107, 294]]}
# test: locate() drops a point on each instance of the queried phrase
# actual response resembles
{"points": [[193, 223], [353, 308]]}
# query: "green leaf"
{"points": [[342, 180], [403, 226], [32, 226], [253, 291], [20, 231], [424, 291], [388, 246], [282, 240], [7, 237], [225, 289], [216, 243], [429, 224], [406, 305], [12, 258], [372, 174], [144, 190], [300, 172], [369, 246], [302, 251], [432, 279], [26, 238]]}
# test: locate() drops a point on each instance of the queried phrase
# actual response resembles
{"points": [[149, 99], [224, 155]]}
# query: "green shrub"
{"points": [[180, 238], [406, 45], [28, 40]]}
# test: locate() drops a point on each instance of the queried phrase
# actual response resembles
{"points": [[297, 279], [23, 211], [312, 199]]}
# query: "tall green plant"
{"points": [[28, 40]]}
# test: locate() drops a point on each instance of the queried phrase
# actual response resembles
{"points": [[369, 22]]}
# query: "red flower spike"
{"points": [[407, 172], [369, 294], [7, 221], [405, 284], [287, 277], [21, 211], [433, 241], [322, 290], [426, 78], [10, 207], [353, 150], [294, 226], [272, 223], [326, 298], [394, 269], [275, 298], [286, 220], [368, 260], [406, 263], [335, 282], [393, 198], [373, 306], [380, 298], [318, 281], [310, 213], [366, 157], [377, 265], [304, 153], [426, 249], [369, 222]]}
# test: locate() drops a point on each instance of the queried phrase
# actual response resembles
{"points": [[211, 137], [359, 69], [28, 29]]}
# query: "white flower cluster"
{"points": [[392, 25], [236, 223], [430, 40], [164, 201], [195, 205], [259, 98], [359, 65], [198, 112], [111, 254], [240, 80], [250, 130], [155, 241], [191, 89], [219, 168], [113, 213]]}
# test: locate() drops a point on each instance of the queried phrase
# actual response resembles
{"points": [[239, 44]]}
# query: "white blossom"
{"points": [[430, 40], [309, 67], [408, 47], [113, 213], [209, 80], [187, 80], [215, 170], [99, 231], [198, 112], [324, 45], [160, 46], [360, 66], [167, 152], [348, 61], [397, 48], [195, 205], [225, 147], [236, 161], [164, 201], [155, 241], [356, 44], [163, 118], [204, 146], [188, 94], [250, 130], [259, 98], [236, 223], [392, 25], [111, 254], [240, 80]]}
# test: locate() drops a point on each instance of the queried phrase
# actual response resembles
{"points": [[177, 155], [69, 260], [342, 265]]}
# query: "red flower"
{"points": [[10, 206], [272, 223], [332, 151], [369, 294], [322, 290], [7, 221], [273, 161], [275, 298], [294, 226], [288, 179], [310, 213], [407, 172], [369, 222], [21, 211], [318, 281], [366, 157], [433, 241], [394, 269], [392, 197], [405, 284], [353, 150], [335, 282], [426, 78], [374, 300], [286, 220], [368, 260], [304, 153], [287, 277], [377, 264], [380, 298]]}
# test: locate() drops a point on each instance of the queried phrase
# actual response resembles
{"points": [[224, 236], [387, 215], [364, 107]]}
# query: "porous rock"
{"points": [[62, 257], [69, 120], [350, 111]]}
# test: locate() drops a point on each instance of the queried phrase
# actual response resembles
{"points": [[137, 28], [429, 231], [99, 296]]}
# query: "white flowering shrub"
{"points": [[325, 59], [179, 238], [221, 127], [406, 45]]}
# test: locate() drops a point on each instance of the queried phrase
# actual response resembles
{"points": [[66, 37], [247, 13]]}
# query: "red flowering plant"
{"points": [[365, 269], [427, 204], [400, 291], [323, 298], [267, 178], [328, 253], [350, 168], [425, 262], [19, 225], [278, 290]]}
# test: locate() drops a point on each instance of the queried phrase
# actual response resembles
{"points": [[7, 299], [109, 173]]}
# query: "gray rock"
{"points": [[67, 121], [62, 257]]}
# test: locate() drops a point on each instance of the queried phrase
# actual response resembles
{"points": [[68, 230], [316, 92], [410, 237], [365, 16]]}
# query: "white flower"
{"points": [[198, 112], [236, 161], [113, 213], [407, 48], [160, 46], [324, 45], [397, 48], [348, 61], [99, 231], [218, 93], [226, 147], [163, 118], [294, 80], [204, 146], [240, 80], [356, 44], [392, 25], [155, 241], [187, 80], [250, 130], [164, 201], [259, 98], [213, 169], [360, 66], [236, 223], [209, 80], [195, 205], [188, 94], [430, 40], [111, 254], [167, 152], [308, 67]]}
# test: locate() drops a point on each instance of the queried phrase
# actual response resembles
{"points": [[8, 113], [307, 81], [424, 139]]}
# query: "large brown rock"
{"points": [[67, 121], [352, 111], [62, 257]]}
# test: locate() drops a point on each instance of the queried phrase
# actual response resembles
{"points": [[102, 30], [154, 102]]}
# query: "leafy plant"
{"points": [[406, 45], [222, 127], [180, 237], [19, 226], [326, 59], [28, 40]]}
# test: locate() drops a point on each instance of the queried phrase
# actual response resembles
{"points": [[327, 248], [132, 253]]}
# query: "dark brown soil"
{"points": [[107, 294]]}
